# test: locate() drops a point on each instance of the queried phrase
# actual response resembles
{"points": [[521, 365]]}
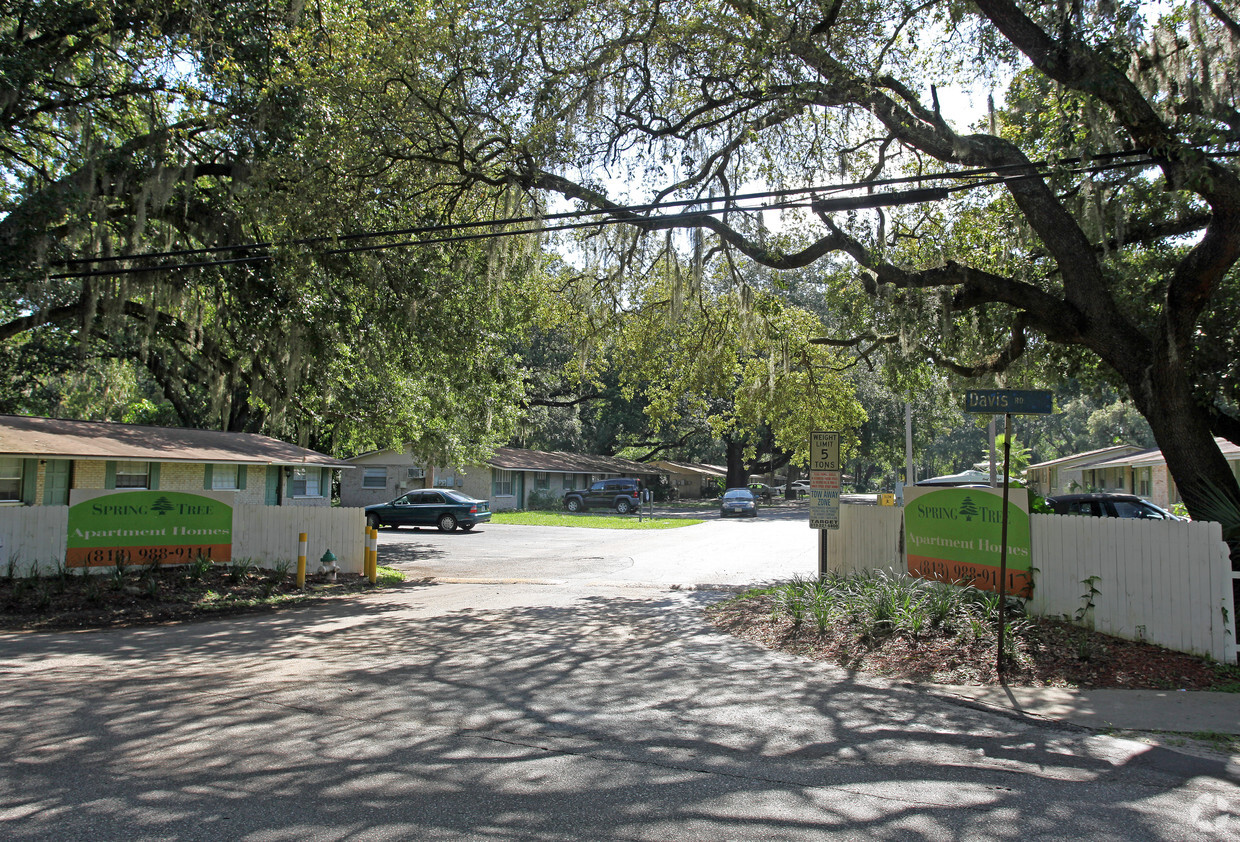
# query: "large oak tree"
{"points": [[192, 129], [1103, 223]]}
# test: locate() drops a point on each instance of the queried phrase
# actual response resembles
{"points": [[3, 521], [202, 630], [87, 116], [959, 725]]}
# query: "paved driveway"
{"points": [[539, 710], [736, 551]]}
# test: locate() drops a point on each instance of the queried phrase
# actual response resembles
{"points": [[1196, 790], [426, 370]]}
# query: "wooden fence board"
{"points": [[1167, 583], [268, 534]]}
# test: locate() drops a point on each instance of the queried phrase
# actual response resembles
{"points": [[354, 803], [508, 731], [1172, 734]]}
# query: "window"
{"points": [[1143, 481], [1130, 509], [501, 483], [374, 477], [10, 480], [224, 478], [306, 482], [542, 480], [133, 474]]}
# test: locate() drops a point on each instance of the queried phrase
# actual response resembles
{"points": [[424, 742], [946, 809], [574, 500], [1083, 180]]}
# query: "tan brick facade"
{"points": [[87, 474], [182, 476]]}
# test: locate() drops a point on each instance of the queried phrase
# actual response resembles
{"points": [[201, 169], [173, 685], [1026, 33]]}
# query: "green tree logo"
{"points": [[968, 509], [163, 505]]}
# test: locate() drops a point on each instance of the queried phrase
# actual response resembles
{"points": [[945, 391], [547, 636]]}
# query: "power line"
{"points": [[628, 214]]}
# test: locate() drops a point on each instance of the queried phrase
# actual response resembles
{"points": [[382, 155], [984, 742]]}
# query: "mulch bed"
{"points": [[143, 597], [1048, 653]]}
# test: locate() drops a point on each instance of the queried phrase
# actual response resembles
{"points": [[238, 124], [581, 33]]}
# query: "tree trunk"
{"points": [[1183, 434], [738, 471]]}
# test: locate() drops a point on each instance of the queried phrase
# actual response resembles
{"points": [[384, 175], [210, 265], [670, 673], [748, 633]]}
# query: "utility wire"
{"points": [[629, 214]]}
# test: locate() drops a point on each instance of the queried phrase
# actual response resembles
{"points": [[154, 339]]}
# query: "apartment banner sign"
{"points": [[955, 535], [107, 528]]}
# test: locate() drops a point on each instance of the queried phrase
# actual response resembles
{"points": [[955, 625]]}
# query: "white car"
{"points": [[799, 488]]}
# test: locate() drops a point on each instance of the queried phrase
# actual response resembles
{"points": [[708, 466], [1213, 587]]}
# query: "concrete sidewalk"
{"points": [[1180, 711]]}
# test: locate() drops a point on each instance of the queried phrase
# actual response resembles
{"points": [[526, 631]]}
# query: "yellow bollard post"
{"points": [[302, 541], [374, 556]]}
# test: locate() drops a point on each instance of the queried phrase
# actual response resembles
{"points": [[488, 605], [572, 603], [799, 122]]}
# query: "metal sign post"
{"points": [[1009, 402], [824, 489], [1007, 460]]}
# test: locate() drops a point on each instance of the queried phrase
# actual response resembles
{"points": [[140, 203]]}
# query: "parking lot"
{"points": [[737, 551]]}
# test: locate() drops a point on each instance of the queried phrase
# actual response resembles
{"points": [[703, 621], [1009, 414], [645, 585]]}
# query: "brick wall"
{"points": [[352, 493], [182, 476], [88, 474]]}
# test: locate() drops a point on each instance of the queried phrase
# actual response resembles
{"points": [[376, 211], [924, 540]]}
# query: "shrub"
{"points": [[543, 500], [883, 603]]}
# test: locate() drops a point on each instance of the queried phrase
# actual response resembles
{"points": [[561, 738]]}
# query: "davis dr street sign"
{"points": [[1009, 401]]}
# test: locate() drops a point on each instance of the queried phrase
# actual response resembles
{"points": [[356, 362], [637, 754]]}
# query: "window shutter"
{"points": [[325, 482], [30, 480], [153, 476], [208, 471], [242, 471], [109, 475]]}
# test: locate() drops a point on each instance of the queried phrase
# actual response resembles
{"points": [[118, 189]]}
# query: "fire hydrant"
{"points": [[327, 564]]}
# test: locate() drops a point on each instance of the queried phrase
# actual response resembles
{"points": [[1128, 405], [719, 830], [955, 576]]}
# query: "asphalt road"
{"points": [[732, 551], [580, 697]]}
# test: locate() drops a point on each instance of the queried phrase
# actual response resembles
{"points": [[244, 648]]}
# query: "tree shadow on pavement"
{"points": [[606, 718]]}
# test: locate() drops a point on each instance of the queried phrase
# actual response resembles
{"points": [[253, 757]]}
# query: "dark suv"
{"points": [[1101, 504], [623, 495]]}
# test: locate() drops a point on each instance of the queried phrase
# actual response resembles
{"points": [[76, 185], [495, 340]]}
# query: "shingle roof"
{"points": [[1154, 456], [517, 459], [1088, 456], [28, 436], [695, 467]]}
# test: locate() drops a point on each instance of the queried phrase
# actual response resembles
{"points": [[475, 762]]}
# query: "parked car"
{"points": [[622, 494], [762, 490], [738, 501], [442, 508], [1100, 504]]}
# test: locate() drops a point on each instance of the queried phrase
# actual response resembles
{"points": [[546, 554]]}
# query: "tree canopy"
{"points": [[1088, 225], [1093, 219], [199, 134]]}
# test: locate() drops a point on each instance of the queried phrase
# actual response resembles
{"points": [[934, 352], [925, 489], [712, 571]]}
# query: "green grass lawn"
{"points": [[589, 521]]}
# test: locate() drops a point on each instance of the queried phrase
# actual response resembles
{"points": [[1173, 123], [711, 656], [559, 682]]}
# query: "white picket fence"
{"points": [[268, 534], [1163, 582], [33, 536], [37, 535]]}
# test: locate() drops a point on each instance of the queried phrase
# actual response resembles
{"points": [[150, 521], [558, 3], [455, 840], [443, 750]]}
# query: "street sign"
{"points": [[824, 500], [1009, 401], [824, 451]]}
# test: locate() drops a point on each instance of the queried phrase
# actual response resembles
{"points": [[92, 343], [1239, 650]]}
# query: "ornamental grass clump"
{"points": [[877, 604], [239, 569]]}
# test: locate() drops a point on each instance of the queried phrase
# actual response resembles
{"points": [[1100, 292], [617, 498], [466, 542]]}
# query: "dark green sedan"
{"points": [[430, 507]]}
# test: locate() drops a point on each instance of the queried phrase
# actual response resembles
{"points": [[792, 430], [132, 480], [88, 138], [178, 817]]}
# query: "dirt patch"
{"points": [[144, 596], [1047, 653]]}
